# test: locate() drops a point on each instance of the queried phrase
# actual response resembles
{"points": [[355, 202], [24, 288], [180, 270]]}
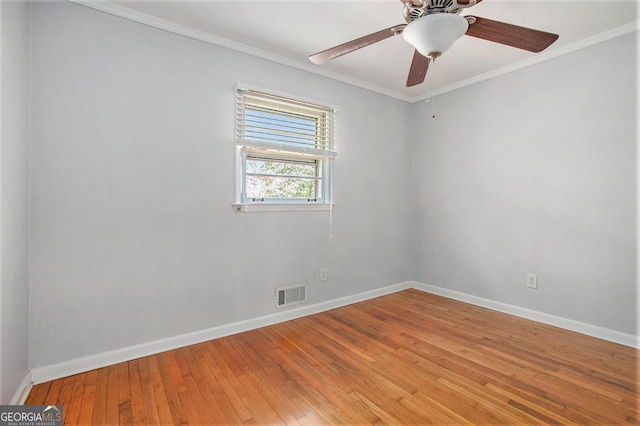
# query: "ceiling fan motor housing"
{"points": [[415, 11]]}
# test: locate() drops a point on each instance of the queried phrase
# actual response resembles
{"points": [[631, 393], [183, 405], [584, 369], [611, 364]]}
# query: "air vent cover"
{"points": [[286, 296]]}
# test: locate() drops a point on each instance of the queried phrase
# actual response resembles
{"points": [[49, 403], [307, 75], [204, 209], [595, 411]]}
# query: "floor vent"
{"points": [[286, 296]]}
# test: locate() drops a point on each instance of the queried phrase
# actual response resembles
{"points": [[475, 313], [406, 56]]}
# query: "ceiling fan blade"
{"points": [[359, 43], [418, 70], [511, 35]]}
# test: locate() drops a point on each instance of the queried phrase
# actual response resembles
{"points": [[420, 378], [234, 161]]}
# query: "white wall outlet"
{"points": [[532, 281], [323, 274]]}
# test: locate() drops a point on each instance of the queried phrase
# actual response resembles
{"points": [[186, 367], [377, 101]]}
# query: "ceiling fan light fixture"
{"points": [[432, 35]]}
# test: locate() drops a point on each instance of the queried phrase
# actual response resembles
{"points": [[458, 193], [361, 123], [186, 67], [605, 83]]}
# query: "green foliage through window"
{"points": [[281, 179]]}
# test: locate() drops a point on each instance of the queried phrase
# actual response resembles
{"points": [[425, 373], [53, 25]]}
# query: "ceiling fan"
{"points": [[433, 26]]}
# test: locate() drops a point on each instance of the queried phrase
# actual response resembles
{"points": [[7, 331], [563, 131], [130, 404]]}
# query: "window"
{"points": [[285, 151]]}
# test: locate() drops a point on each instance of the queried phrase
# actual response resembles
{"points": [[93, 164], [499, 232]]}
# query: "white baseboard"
{"points": [[80, 365], [565, 323], [91, 362], [23, 391]]}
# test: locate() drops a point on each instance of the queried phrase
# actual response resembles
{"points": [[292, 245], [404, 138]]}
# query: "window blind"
{"points": [[272, 122]]}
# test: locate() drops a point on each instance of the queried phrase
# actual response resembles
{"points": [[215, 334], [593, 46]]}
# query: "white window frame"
{"points": [[274, 150]]}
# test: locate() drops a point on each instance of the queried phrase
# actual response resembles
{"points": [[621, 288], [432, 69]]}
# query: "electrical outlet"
{"points": [[532, 281], [323, 274]]}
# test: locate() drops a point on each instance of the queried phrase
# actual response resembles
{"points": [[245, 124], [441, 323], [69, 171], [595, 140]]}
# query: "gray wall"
{"points": [[14, 197], [133, 237], [535, 172], [133, 234]]}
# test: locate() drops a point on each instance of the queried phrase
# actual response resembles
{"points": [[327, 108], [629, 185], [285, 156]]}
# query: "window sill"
{"points": [[289, 207]]}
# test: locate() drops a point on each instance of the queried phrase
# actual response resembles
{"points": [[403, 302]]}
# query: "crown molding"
{"points": [[162, 24], [539, 58]]}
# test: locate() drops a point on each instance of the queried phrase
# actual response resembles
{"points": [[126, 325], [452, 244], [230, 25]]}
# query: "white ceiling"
{"points": [[291, 30]]}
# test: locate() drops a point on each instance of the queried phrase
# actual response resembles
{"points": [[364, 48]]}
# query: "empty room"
{"points": [[319, 212]]}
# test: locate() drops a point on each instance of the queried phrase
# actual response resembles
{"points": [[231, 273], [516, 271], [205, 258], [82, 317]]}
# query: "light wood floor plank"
{"points": [[158, 384], [405, 358], [88, 398], [112, 414], [75, 399], [38, 394], [268, 380], [205, 382], [218, 362], [53, 395], [138, 416], [99, 409], [146, 387], [171, 387]]}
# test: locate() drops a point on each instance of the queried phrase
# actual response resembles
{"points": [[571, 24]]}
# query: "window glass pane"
{"points": [[280, 187], [281, 178], [280, 167]]}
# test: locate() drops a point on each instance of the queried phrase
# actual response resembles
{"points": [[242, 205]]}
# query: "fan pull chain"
{"points": [[433, 88]]}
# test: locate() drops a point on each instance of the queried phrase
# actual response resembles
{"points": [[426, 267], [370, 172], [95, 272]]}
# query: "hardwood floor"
{"points": [[405, 358]]}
